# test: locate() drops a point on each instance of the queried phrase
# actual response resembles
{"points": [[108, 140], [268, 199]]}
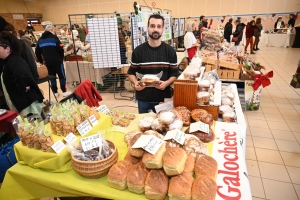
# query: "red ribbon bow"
{"points": [[263, 80]]}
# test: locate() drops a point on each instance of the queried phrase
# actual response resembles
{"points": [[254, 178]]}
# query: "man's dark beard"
{"points": [[154, 38]]}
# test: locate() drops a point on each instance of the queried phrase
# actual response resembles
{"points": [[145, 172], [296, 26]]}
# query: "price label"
{"points": [[84, 128], [103, 109], [58, 146], [93, 120], [149, 143], [177, 135], [199, 126], [70, 138], [91, 142]]}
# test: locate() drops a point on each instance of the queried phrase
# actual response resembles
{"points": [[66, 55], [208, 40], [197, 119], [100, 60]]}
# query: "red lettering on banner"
{"points": [[230, 189], [232, 150], [227, 143], [231, 159], [227, 163], [233, 181]]}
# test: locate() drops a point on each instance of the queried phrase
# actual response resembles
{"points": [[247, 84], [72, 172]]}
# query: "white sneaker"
{"points": [[56, 95], [65, 94]]}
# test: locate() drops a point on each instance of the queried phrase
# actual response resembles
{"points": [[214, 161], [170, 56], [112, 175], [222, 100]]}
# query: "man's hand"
{"points": [[162, 85], [138, 87]]}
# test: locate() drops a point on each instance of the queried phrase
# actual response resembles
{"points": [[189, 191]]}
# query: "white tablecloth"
{"points": [[276, 40]]}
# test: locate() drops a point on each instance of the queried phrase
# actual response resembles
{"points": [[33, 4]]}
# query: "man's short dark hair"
{"points": [[201, 17], [156, 16], [237, 21]]}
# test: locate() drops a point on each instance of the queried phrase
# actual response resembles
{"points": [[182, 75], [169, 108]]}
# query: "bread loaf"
{"points": [[155, 133], [180, 187], [189, 165], [136, 178], [132, 159], [156, 185], [204, 187], [130, 135], [205, 137], [194, 146], [174, 161], [154, 161], [184, 115], [136, 152], [117, 174], [206, 166]]}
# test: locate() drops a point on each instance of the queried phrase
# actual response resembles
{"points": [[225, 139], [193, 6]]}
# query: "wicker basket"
{"points": [[42, 71], [96, 169]]}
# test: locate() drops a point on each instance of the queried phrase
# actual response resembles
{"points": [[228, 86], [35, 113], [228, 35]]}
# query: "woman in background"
{"points": [[201, 38], [190, 43], [278, 24], [21, 92], [249, 35], [257, 33]]}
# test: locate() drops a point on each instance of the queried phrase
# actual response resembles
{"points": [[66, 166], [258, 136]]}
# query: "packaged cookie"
{"points": [[203, 85], [203, 98], [95, 113], [46, 139], [84, 112], [69, 125], [230, 95], [29, 137], [36, 136], [225, 108], [59, 125]]}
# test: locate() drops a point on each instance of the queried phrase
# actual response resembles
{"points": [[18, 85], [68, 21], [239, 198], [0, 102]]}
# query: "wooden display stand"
{"points": [[224, 73], [185, 94]]}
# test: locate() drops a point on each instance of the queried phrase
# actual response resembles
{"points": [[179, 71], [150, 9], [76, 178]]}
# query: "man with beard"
{"points": [[153, 57]]}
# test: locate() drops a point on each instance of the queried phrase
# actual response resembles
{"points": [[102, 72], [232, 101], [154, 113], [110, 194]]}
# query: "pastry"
{"points": [[176, 124], [184, 115], [194, 146], [203, 116], [124, 122], [203, 85], [226, 101], [166, 117], [136, 152], [206, 166], [136, 178], [156, 185], [129, 116], [180, 187], [229, 117], [205, 137], [149, 80], [225, 108], [154, 161], [203, 98], [132, 159], [115, 120], [145, 123], [156, 125], [204, 188], [117, 175], [174, 161]]}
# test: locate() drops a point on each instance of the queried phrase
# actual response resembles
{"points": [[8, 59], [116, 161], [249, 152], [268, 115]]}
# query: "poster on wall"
{"points": [[176, 28], [252, 97], [181, 32], [167, 34]]}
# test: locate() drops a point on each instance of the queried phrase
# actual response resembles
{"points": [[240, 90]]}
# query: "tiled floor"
{"points": [[273, 133]]}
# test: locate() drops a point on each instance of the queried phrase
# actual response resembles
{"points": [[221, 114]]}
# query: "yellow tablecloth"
{"points": [[50, 160], [22, 182]]}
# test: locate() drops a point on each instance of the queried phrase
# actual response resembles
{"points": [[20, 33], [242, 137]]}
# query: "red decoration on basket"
{"points": [[263, 80]]}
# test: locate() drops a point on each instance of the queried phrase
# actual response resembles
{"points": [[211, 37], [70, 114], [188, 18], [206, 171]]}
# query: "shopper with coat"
{"points": [[249, 35], [49, 50], [228, 30], [278, 24], [257, 33], [19, 87], [238, 31]]}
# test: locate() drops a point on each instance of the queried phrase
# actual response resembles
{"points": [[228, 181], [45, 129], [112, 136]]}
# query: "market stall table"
{"points": [[276, 39]]}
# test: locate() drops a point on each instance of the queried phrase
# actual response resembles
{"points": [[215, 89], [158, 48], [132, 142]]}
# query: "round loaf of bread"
{"points": [[204, 187], [181, 187], [166, 117], [136, 178], [156, 185], [174, 161], [157, 134], [203, 116], [117, 174], [205, 137], [194, 146], [132, 159], [136, 152], [206, 166], [130, 135], [184, 115]]}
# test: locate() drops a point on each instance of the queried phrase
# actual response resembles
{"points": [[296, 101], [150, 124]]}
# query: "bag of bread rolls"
{"points": [[156, 185], [136, 178], [117, 175], [21, 128], [181, 187], [204, 187], [69, 125], [174, 161], [36, 137], [46, 139]]}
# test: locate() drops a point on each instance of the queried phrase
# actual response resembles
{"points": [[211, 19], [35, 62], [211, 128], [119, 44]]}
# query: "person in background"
{"points": [[228, 30], [190, 42], [257, 33], [25, 54], [238, 31], [249, 35], [81, 33], [291, 21], [278, 24], [79, 47], [21, 35], [202, 20], [21, 92], [85, 30], [153, 57], [201, 38], [49, 50]]}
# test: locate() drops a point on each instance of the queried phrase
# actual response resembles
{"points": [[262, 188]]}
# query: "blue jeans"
{"points": [[145, 106]]}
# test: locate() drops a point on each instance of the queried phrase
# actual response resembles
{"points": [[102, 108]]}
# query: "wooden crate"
{"points": [[229, 74], [228, 65], [185, 94]]}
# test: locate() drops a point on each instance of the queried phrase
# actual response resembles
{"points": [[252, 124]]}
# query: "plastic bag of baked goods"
{"points": [[69, 125], [36, 137], [149, 80]]}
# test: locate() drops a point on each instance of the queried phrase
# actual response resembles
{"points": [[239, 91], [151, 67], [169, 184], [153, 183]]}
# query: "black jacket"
{"points": [[238, 29], [16, 78], [28, 57], [227, 31], [275, 25], [291, 22], [49, 49]]}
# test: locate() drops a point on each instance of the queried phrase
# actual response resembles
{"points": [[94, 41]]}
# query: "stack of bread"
{"points": [[170, 171], [206, 88], [121, 118], [226, 110], [68, 115]]}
